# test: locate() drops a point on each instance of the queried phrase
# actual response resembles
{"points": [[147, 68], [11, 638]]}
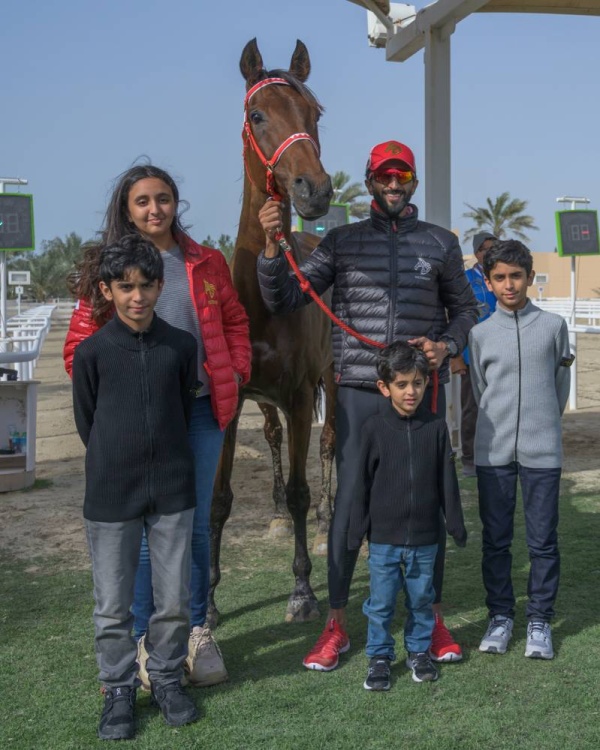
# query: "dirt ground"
{"points": [[47, 521]]}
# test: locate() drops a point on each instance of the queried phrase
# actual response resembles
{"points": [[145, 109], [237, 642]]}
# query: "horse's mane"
{"points": [[297, 85]]}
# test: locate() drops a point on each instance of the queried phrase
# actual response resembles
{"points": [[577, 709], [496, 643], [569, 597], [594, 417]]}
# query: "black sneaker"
{"points": [[175, 704], [117, 721], [423, 669], [378, 676]]}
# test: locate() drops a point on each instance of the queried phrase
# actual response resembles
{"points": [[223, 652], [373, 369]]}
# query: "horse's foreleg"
{"points": [[220, 510], [302, 604], [280, 522], [327, 455]]}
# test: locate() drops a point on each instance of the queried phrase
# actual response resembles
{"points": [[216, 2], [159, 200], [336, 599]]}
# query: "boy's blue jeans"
{"points": [[392, 568], [206, 440]]}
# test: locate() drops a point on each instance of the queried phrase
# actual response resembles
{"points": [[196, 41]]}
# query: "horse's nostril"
{"points": [[302, 187]]}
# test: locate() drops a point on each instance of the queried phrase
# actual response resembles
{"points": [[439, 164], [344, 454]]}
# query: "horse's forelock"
{"points": [[297, 85]]}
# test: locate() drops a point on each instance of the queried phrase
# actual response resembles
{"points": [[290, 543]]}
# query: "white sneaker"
{"points": [[539, 640], [204, 665], [142, 658], [497, 636]]}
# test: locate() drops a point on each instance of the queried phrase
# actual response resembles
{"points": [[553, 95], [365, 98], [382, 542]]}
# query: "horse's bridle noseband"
{"points": [[249, 139]]}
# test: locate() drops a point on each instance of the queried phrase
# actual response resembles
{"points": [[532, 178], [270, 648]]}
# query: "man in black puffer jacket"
{"points": [[393, 278]]}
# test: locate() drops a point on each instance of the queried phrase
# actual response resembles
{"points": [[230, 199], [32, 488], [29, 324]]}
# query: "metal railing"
{"points": [[585, 309], [22, 346]]}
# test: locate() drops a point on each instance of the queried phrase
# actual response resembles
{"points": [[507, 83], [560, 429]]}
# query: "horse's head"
{"points": [[281, 138]]}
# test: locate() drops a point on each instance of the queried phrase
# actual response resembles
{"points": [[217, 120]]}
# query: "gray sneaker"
{"points": [[539, 640], [142, 658], [204, 665], [497, 636]]}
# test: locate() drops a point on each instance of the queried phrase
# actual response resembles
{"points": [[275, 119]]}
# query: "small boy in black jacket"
{"points": [[133, 389], [408, 478]]}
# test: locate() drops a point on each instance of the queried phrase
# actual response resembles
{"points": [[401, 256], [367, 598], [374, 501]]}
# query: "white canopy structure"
{"points": [[431, 28]]}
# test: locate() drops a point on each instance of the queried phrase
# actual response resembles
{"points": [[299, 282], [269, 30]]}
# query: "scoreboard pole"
{"points": [[572, 332], [5, 181]]}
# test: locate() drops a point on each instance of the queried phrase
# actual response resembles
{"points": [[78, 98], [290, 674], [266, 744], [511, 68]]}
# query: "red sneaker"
{"points": [[443, 645], [332, 642]]}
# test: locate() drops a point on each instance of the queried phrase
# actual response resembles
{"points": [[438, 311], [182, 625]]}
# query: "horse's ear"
{"points": [[251, 62], [300, 65]]}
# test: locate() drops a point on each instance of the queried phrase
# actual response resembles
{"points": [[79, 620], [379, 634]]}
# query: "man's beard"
{"points": [[393, 212]]}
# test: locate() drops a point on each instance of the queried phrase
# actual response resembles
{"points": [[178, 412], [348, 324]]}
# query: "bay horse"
{"points": [[291, 354]]}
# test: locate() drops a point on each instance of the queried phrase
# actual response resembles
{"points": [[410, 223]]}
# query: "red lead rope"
{"points": [[307, 289]]}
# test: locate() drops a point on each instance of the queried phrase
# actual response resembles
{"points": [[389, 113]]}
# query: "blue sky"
{"points": [[88, 87]]}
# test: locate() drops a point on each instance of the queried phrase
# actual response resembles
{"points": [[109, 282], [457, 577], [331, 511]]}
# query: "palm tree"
{"points": [[502, 217], [49, 268], [348, 193], [225, 244]]}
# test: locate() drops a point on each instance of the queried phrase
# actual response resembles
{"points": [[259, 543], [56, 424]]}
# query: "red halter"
{"points": [[249, 139]]}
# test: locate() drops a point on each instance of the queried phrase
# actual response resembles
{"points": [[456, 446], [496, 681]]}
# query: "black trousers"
{"points": [[468, 417], [353, 407], [497, 501]]}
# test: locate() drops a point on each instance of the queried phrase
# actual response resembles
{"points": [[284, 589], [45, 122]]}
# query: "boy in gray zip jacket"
{"points": [[520, 361]]}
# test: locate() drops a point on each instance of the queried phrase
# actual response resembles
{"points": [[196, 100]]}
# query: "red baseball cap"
{"points": [[390, 151]]}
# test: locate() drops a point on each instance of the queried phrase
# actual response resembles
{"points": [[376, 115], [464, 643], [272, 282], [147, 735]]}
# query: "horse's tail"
{"points": [[319, 401]]}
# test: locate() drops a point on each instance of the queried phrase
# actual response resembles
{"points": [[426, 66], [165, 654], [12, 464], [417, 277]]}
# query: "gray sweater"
{"points": [[520, 374]]}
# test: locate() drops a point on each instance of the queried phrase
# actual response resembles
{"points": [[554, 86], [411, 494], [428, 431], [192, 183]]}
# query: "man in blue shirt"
{"points": [[482, 242]]}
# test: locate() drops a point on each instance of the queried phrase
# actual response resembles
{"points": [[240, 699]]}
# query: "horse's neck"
{"points": [[251, 235], [248, 245]]}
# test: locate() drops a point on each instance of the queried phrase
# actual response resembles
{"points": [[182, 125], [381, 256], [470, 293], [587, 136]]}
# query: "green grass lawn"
{"points": [[49, 697]]}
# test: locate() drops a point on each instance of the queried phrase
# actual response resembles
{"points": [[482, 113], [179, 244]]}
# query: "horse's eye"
{"points": [[256, 118]]}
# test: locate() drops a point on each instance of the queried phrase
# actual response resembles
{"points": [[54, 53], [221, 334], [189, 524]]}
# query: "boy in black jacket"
{"points": [[407, 465], [133, 385]]}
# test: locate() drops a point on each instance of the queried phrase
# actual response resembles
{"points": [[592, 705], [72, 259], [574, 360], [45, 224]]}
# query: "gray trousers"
{"points": [[115, 551]]}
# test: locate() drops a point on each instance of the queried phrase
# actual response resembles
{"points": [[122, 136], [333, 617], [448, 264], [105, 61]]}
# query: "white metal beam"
{"points": [[410, 39], [437, 126], [383, 5], [381, 9]]}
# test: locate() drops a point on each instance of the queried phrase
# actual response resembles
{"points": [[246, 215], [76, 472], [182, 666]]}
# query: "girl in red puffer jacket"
{"points": [[198, 296]]}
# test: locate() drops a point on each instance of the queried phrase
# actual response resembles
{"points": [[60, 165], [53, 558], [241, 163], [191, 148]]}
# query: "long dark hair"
{"points": [[83, 281]]}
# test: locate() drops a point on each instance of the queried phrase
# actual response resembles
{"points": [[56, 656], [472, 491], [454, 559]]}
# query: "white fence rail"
{"points": [[23, 344], [585, 309]]}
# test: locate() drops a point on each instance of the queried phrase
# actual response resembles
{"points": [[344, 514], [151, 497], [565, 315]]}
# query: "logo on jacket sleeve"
{"points": [[211, 292], [423, 267]]}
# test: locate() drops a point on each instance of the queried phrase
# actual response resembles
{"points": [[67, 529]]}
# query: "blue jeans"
{"points": [[497, 501], [394, 567], [206, 440]]}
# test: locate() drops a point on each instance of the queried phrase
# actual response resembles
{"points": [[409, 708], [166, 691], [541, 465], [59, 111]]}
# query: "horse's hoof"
{"points": [[280, 527], [320, 545], [303, 609]]}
